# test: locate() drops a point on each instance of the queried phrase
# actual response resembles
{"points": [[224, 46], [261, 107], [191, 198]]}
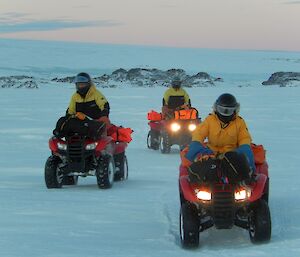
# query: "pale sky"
{"points": [[225, 24]]}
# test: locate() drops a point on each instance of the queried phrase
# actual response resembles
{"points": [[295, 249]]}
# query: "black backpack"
{"points": [[204, 171], [67, 126], [234, 166]]}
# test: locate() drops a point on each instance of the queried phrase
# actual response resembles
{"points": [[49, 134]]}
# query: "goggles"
{"points": [[81, 79], [176, 83], [225, 111]]}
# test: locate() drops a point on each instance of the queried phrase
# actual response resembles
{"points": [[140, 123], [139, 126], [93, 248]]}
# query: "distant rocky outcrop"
{"points": [[155, 77], [64, 80], [283, 79], [18, 82], [137, 77]]}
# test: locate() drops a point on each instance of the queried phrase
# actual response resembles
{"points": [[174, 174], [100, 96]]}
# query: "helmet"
{"points": [[176, 83], [226, 107], [83, 83]]}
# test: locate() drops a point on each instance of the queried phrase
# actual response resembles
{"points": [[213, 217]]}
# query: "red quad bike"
{"points": [[175, 131], [223, 205], [77, 155]]}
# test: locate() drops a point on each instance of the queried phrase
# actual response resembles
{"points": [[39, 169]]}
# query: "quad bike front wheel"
{"points": [[189, 226], [165, 144], [105, 172], [53, 176], [260, 222]]}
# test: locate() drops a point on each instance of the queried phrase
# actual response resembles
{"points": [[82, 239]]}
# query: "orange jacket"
{"points": [[221, 137]]}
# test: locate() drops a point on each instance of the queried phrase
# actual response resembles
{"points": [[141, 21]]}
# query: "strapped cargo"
{"points": [[154, 116], [186, 114], [120, 134], [259, 153]]}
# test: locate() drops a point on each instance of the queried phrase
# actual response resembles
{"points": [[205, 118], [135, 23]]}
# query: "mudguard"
{"points": [[120, 147], [258, 188], [155, 125], [262, 169], [187, 190], [183, 171], [53, 144], [102, 143]]}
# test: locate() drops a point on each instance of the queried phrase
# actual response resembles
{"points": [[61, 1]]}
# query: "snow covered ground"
{"points": [[138, 217]]}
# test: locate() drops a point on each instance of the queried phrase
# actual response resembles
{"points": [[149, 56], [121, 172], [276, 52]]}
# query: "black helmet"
{"points": [[226, 107], [176, 83], [80, 79]]}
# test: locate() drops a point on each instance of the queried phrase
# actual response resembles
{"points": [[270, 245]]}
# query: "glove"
{"points": [[80, 115], [106, 120], [220, 156], [185, 107]]}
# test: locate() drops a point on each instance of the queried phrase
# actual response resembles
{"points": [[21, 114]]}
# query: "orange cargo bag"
{"points": [[124, 135], [259, 153], [154, 116], [120, 134], [189, 114]]}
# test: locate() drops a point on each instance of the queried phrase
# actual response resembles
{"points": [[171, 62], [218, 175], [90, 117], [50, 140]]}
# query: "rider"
{"points": [[88, 101], [224, 131], [175, 97]]}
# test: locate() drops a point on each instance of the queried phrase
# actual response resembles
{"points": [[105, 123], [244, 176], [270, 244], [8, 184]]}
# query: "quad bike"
{"points": [[223, 205], [172, 131], [77, 155]]}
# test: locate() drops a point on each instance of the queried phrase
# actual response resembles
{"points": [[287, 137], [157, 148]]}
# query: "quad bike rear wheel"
{"points": [[121, 164]]}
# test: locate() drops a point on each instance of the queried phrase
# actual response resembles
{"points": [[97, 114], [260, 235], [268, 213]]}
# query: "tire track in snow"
{"points": [[173, 226]]}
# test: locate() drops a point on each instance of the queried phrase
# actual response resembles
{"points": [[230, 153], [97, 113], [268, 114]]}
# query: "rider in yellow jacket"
{"points": [[87, 99], [222, 131], [176, 96], [222, 137]]}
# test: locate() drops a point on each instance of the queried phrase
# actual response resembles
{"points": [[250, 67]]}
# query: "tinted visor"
{"points": [[176, 83], [81, 79], [225, 111]]}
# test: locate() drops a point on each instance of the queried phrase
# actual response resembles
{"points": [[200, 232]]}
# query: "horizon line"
{"points": [[149, 46]]}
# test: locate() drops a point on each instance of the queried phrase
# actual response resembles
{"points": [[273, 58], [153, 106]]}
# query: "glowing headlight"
{"points": [[203, 195], [192, 127], [175, 127], [91, 146], [61, 146], [242, 194]]}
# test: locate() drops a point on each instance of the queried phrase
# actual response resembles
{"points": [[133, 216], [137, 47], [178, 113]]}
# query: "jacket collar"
{"points": [[90, 92]]}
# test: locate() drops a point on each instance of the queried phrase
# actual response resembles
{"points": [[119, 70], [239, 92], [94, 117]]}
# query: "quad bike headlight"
{"points": [[203, 195], [91, 146], [61, 146], [175, 127], [192, 127], [242, 194]]}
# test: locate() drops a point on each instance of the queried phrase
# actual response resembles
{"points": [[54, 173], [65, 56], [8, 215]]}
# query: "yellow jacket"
{"points": [[92, 104], [221, 137], [172, 92]]}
